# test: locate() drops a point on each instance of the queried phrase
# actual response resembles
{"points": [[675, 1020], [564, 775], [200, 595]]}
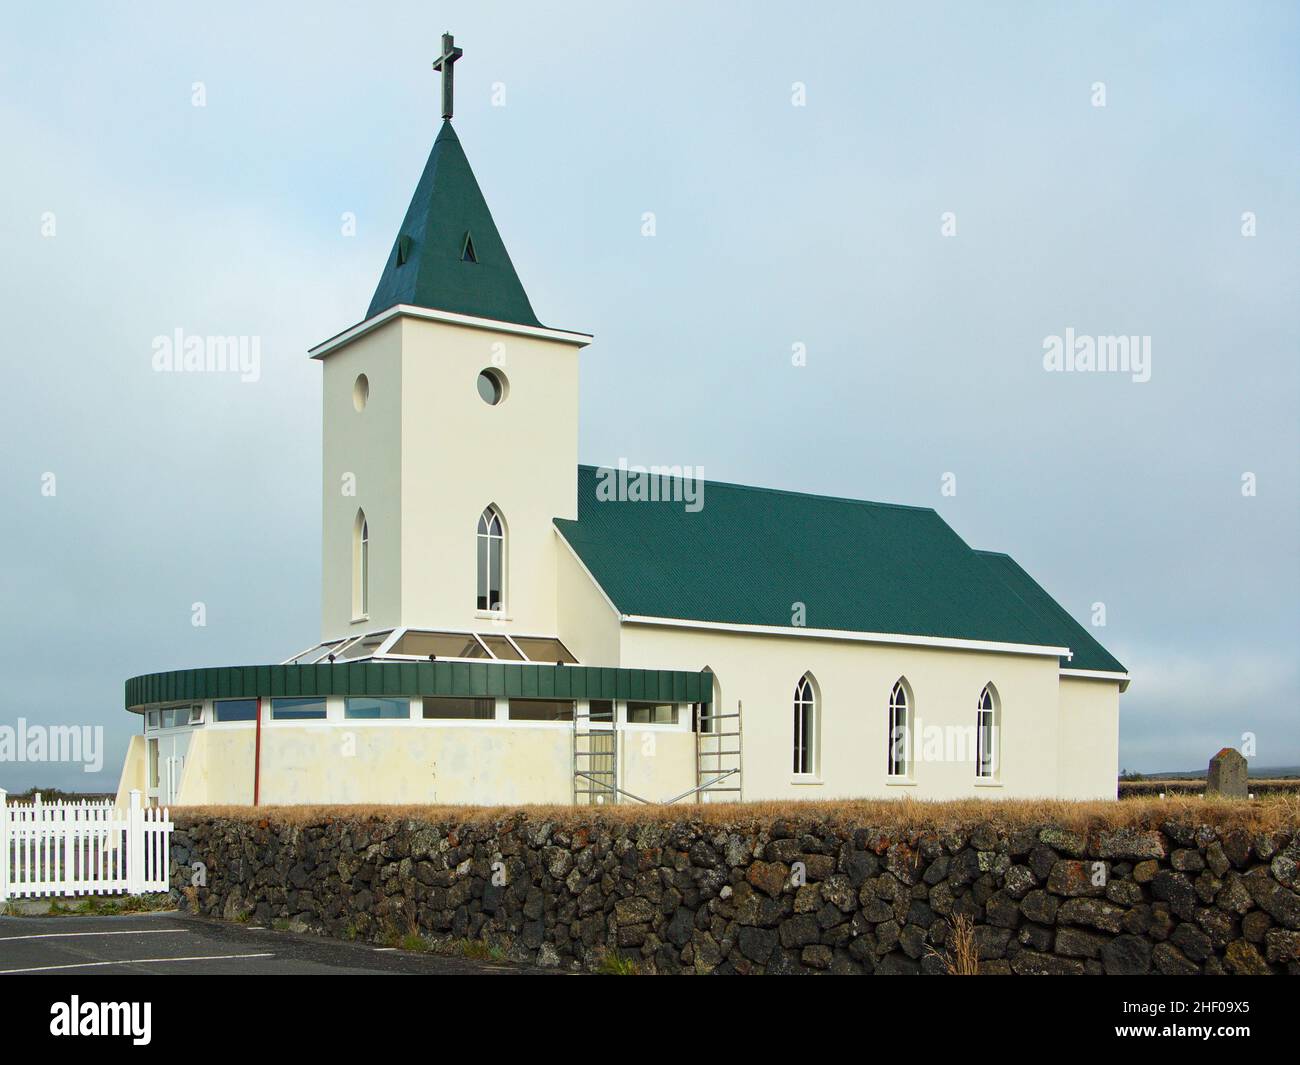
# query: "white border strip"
{"points": [[129, 961], [1096, 674], [856, 637], [470, 321], [125, 932]]}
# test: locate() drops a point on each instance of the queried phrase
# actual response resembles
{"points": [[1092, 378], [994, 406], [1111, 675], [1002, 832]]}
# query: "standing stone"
{"points": [[1227, 775]]}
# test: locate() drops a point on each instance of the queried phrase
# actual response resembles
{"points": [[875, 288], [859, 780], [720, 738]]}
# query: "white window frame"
{"points": [[365, 567], [499, 712], [491, 514], [262, 704], [360, 567], [987, 724], [898, 767], [383, 650], [338, 711], [682, 724], [805, 728], [333, 712]]}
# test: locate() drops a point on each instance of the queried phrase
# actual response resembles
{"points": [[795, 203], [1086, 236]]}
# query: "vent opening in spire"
{"points": [[467, 253]]}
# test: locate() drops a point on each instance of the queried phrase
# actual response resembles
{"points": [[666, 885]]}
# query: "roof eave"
{"points": [[1100, 674], [946, 642], [339, 340]]}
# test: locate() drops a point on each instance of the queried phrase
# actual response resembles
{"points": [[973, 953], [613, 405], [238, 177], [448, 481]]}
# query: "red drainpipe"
{"points": [[257, 756]]}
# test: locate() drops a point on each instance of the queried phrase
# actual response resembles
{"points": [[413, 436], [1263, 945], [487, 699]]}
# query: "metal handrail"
{"points": [[606, 788], [699, 787]]}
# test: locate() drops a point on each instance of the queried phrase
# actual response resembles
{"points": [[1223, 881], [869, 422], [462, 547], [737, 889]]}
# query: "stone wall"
{"points": [[774, 896]]}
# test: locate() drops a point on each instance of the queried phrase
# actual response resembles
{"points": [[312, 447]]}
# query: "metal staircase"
{"points": [[718, 755], [596, 756]]}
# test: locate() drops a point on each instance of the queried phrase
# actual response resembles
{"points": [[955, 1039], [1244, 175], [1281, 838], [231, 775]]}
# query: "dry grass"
{"points": [[1256, 785], [960, 958], [1268, 814]]}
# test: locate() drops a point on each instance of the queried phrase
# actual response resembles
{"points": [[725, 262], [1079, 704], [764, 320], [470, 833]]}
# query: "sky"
{"points": [[916, 196]]}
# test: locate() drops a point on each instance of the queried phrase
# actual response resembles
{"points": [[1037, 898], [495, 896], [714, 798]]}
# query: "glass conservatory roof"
{"points": [[423, 645]]}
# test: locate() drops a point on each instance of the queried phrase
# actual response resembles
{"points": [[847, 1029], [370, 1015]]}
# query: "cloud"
{"points": [[1182, 708]]}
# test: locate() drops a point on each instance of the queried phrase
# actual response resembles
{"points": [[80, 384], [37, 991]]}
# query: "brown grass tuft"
{"points": [[961, 958]]}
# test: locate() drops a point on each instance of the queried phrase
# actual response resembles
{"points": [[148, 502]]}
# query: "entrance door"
{"points": [[172, 780], [153, 769]]}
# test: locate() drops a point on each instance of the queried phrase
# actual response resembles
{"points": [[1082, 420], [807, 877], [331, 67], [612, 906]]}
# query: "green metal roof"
{"points": [[428, 265], [463, 679], [1050, 618], [750, 554]]}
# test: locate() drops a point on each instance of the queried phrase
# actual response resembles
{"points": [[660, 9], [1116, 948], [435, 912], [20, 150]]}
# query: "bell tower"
{"points": [[450, 423]]}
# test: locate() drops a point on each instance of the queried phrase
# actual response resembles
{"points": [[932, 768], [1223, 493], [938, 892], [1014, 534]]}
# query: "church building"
{"points": [[502, 625]]}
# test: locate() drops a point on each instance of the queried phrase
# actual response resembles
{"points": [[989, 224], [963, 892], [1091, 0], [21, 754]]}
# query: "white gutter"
{"points": [[1099, 674], [856, 637], [564, 336]]}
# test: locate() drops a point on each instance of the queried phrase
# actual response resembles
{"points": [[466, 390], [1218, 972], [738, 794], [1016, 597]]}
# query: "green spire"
{"points": [[448, 255]]}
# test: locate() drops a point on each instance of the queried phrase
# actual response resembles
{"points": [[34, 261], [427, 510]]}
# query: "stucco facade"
{"points": [[412, 460], [343, 761]]}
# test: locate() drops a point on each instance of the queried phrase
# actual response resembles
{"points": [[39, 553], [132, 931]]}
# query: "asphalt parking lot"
{"points": [[169, 944]]}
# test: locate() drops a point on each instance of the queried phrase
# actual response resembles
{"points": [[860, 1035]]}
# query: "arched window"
{"points": [[360, 566], [986, 734], [900, 731], [805, 726], [705, 714], [491, 560]]}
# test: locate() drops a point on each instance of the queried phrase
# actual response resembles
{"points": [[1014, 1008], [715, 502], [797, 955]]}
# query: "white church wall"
{"points": [[587, 624], [361, 469], [460, 454], [133, 777], [657, 762], [853, 682], [452, 762], [220, 767], [415, 764], [370, 762], [1089, 738]]}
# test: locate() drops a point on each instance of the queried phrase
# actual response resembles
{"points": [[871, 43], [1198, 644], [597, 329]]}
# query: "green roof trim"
{"points": [[427, 266], [749, 555], [463, 679]]}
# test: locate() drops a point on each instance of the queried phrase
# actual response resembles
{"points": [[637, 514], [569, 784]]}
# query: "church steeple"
{"points": [[448, 255]]}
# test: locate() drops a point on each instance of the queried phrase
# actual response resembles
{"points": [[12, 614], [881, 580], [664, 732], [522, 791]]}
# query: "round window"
{"points": [[361, 392], [492, 387]]}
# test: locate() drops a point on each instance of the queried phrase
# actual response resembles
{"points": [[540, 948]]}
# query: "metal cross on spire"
{"points": [[444, 62]]}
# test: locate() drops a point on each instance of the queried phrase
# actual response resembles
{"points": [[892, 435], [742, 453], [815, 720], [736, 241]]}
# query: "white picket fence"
{"points": [[82, 848]]}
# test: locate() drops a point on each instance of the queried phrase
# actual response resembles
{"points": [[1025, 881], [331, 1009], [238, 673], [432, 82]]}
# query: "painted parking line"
{"points": [[131, 961], [128, 932]]}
